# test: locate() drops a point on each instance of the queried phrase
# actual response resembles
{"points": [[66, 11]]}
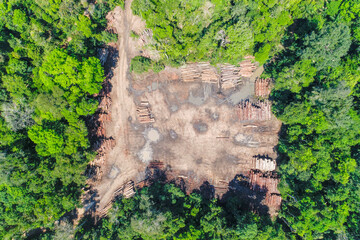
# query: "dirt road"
{"points": [[120, 166]]}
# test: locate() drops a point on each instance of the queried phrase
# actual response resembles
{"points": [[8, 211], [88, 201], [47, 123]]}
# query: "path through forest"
{"points": [[119, 165]]}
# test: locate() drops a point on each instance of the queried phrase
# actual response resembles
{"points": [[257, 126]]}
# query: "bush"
{"points": [[158, 67], [140, 64]]}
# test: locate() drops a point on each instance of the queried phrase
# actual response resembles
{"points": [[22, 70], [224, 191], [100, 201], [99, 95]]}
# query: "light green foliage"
{"points": [[140, 64], [60, 69], [75, 136], [47, 141], [84, 25], [217, 31], [19, 19], [296, 77], [67, 84], [16, 86]]}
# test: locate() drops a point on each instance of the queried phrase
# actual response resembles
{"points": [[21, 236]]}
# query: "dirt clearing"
{"points": [[195, 131]]}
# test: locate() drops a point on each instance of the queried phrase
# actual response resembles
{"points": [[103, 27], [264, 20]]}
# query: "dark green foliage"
{"points": [[326, 48], [165, 212], [315, 96], [48, 74]]}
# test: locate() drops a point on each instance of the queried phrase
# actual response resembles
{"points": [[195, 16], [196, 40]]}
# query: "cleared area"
{"points": [[184, 119]]}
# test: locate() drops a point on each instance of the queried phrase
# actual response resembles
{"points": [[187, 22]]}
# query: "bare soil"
{"points": [[196, 131]]}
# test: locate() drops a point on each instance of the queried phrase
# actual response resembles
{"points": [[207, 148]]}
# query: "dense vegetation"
{"points": [[48, 74], [166, 212], [316, 97], [218, 30]]}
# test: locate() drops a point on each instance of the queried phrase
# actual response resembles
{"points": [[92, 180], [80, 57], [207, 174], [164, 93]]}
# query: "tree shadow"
{"points": [[206, 190], [247, 197]]}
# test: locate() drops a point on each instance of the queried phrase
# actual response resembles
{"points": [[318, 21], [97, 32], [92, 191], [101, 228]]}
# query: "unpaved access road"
{"points": [[118, 167]]}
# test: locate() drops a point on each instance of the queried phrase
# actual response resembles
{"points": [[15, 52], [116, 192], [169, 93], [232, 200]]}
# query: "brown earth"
{"points": [[196, 131]]}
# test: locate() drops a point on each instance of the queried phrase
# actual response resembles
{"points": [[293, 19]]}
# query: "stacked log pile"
{"points": [[262, 87], [260, 111], [264, 163], [247, 67], [230, 76], [266, 182], [126, 191], [199, 72], [97, 133], [144, 113]]}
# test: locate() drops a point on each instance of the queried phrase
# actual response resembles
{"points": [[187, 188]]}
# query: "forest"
{"points": [[49, 74]]}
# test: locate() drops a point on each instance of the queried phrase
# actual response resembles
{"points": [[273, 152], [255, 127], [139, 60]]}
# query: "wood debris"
{"points": [[144, 113], [230, 76], [262, 87], [199, 72], [260, 111], [156, 165], [146, 36]]}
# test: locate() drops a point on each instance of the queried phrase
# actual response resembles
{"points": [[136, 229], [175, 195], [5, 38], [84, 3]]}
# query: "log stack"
{"points": [[129, 190], [267, 183], [262, 87], [126, 191], [247, 67], [230, 76], [199, 72], [264, 163], [260, 111], [97, 133], [144, 113]]}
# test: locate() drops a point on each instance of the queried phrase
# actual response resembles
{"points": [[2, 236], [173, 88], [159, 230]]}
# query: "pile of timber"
{"points": [[230, 76], [264, 163], [199, 72], [259, 111], [262, 87], [97, 133], [105, 210], [126, 191], [247, 67], [144, 113], [273, 200], [266, 182]]}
